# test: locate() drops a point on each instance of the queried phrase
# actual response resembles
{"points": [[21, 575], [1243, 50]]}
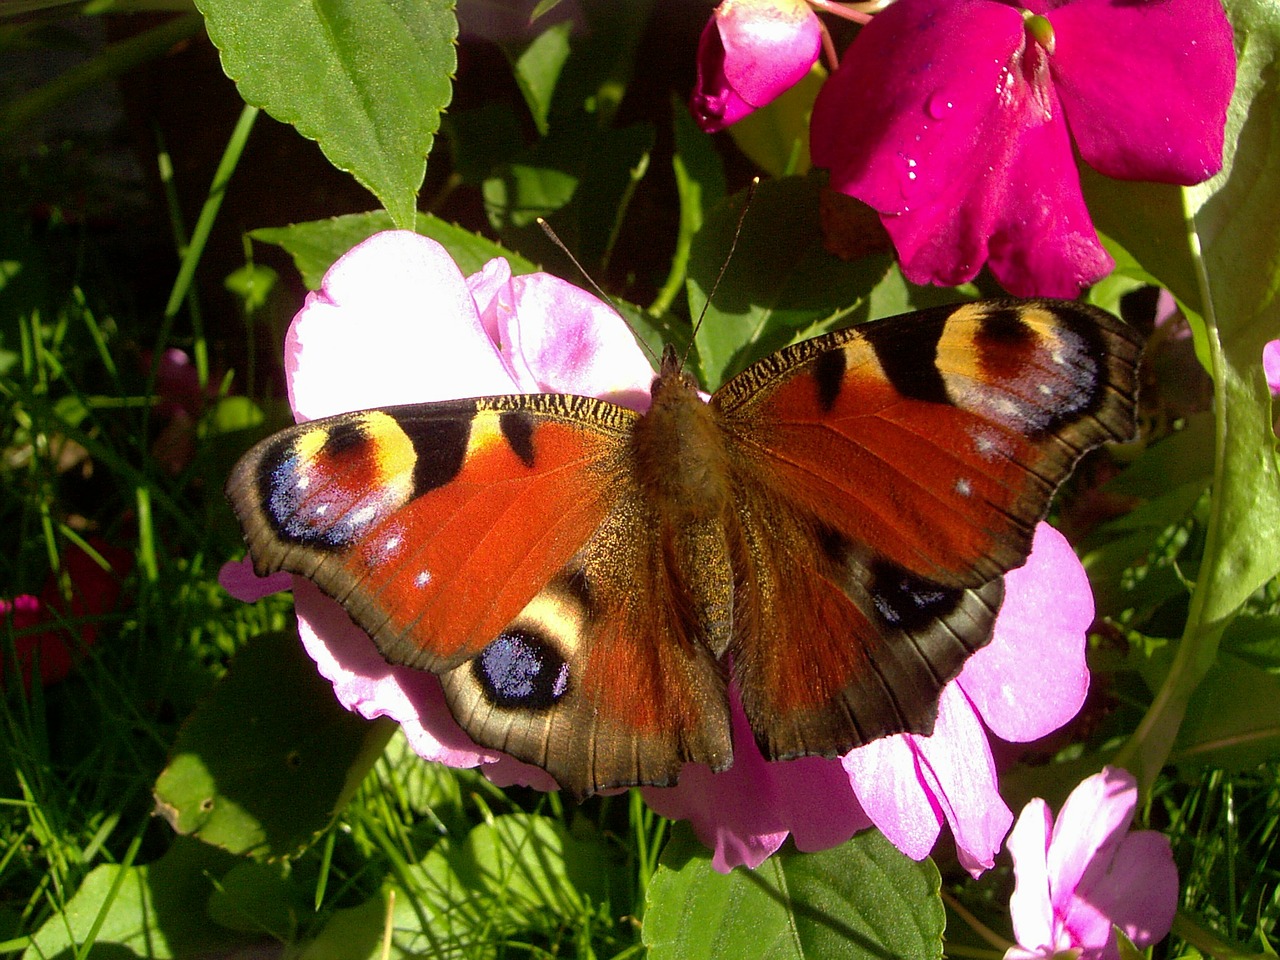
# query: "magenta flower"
{"points": [[1271, 366], [395, 321], [955, 121], [1081, 875], [750, 52]]}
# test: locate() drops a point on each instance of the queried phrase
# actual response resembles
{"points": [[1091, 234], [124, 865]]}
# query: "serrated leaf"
{"points": [[863, 899], [314, 246], [268, 758], [366, 79]]}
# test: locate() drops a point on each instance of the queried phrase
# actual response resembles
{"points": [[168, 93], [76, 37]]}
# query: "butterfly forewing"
{"points": [[503, 543], [890, 474]]}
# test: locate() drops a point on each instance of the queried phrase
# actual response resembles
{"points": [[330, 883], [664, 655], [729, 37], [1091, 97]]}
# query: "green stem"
{"points": [[1148, 749]]}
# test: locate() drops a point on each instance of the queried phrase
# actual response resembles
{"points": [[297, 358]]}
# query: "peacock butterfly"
{"points": [[829, 530]]}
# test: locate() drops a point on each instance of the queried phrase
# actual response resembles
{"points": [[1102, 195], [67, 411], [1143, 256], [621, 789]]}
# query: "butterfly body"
{"points": [[828, 532]]}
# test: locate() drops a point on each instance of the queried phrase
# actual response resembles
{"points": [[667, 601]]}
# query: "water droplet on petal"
{"points": [[939, 105]]}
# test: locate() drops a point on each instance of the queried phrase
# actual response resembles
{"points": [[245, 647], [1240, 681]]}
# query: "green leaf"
{"points": [[537, 70], [700, 185], [315, 246], [861, 899], [266, 761], [366, 79], [512, 876], [780, 285], [257, 898], [1233, 719], [1146, 220], [151, 911]]}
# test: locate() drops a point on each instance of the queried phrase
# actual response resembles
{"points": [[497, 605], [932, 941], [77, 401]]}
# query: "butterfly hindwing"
{"points": [[905, 463]]}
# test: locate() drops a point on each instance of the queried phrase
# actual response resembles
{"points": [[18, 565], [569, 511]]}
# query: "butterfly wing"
{"points": [[499, 542], [901, 466]]}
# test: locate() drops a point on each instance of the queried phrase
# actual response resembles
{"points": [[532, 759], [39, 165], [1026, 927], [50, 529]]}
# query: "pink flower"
{"points": [[1271, 366], [1079, 876], [955, 121], [494, 333], [750, 52]]}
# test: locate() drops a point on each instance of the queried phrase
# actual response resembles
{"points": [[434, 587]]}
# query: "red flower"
{"points": [[68, 626], [955, 121]]}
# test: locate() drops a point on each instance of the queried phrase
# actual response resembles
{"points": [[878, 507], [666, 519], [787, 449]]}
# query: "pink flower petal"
{"points": [[1090, 824], [1048, 607], [1271, 365], [961, 147], [392, 323], [906, 111], [1146, 85], [1030, 906], [750, 52], [891, 787], [559, 338], [909, 784], [745, 813], [1088, 874], [238, 579], [1136, 889], [365, 683]]}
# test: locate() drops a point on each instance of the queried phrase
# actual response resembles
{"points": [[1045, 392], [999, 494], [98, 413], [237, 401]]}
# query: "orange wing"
{"points": [[503, 544], [891, 473]]}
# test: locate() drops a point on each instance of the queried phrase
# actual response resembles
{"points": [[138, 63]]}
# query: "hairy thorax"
{"points": [[680, 452]]}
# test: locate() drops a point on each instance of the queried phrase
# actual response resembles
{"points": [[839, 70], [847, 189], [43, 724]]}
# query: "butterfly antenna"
{"points": [[551, 235], [733, 245]]}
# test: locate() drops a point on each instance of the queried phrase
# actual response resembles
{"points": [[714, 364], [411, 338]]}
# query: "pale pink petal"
{"points": [[1030, 906], [745, 813], [1090, 824], [238, 579], [958, 769], [910, 784], [1271, 365], [392, 323], [1048, 607], [365, 683], [558, 338], [487, 285], [1145, 85], [890, 785], [1136, 889]]}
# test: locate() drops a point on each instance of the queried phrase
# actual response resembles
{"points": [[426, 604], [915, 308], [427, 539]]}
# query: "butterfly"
{"points": [[828, 533]]}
